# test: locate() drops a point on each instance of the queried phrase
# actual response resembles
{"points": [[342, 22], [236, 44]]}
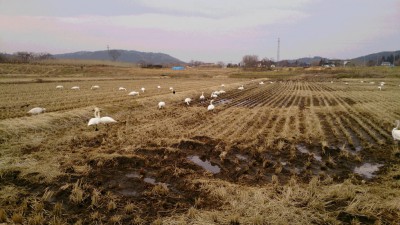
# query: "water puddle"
{"points": [[224, 101], [367, 169], [241, 157], [127, 192], [303, 149], [205, 164], [150, 180], [132, 175]]}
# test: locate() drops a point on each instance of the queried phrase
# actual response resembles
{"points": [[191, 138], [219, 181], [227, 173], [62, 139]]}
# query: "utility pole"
{"points": [[277, 54]]}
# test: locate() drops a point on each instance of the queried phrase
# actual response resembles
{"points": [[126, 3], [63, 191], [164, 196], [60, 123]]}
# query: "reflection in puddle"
{"points": [[303, 149], [367, 169], [241, 157], [205, 164]]}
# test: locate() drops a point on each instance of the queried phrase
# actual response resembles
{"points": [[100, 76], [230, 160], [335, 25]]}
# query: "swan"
{"points": [[171, 88], [133, 93], [161, 105], [222, 85], [94, 87], [241, 88], [262, 82], [97, 119], [59, 87], [37, 110], [214, 95], [347, 83], [380, 88], [202, 96], [143, 89], [211, 106], [396, 131], [122, 89], [75, 88], [222, 91], [188, 100]]}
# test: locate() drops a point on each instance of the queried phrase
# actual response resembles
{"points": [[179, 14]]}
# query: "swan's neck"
{"points": [[97, 113]]}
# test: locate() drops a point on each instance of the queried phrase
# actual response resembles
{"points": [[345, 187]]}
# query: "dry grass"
{"points": [[265, 124]]}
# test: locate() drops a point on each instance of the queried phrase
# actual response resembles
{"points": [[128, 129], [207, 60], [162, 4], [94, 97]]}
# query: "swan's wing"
{"points": [[93, 121], [107, 119]]}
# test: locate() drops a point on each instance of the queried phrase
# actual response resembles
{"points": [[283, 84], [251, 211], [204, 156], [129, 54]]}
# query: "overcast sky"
{"points": [[205, 30]]}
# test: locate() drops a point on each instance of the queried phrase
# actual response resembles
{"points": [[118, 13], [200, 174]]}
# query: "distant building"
{"points": [[386, 64]]}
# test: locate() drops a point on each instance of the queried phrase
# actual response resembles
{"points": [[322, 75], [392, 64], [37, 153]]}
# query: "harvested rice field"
{"points": [[302, 147]]}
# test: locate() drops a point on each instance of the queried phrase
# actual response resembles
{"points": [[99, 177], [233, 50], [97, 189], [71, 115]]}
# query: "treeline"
{"points": [[24, 57]]}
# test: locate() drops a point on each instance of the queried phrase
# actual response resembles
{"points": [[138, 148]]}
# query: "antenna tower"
{"points": [[278, 52]]}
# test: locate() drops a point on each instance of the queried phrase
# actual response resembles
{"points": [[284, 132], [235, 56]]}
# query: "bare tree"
{"points": [[114, 54], [250, 61], [23, 56]]}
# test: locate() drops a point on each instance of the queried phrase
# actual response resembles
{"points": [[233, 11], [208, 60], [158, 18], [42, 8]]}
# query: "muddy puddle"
{"points": [[303, 149], [162, 182], [205, 164], [368, 170], [223, 101]]}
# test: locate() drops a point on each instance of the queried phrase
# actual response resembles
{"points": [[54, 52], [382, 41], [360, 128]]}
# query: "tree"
{"points": [[250, 61], [24, 56], [114, 54]]}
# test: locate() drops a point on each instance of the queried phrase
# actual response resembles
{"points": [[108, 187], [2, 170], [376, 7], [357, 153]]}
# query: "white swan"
{"points": [[396, 131], [97, 119], [122, 89], [161, 105], [214, 95], [202, 98], [188, 100], [59, 87], [143, 89], [171, 88], [241, 88], [75, 88], [133, 93], [262, 82], [37, 110], [380, 88], [222, 91], [222, 85], [211, 106], [94, 87]]}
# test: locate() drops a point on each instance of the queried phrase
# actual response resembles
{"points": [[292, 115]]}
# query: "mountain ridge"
{"points": [[120, 55]]}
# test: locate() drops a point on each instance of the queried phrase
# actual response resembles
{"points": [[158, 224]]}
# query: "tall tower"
{"points": [[277, 54]]}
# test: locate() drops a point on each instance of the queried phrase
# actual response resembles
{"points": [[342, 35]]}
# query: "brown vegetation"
{"points": [[280, 153]]}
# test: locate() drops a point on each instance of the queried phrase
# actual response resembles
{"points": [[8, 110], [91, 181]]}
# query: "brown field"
{"points": [[296, 150]]}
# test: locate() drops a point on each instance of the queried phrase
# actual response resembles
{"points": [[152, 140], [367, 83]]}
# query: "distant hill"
{"points": [[387, 56], [307, 60], [124, 56]]}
